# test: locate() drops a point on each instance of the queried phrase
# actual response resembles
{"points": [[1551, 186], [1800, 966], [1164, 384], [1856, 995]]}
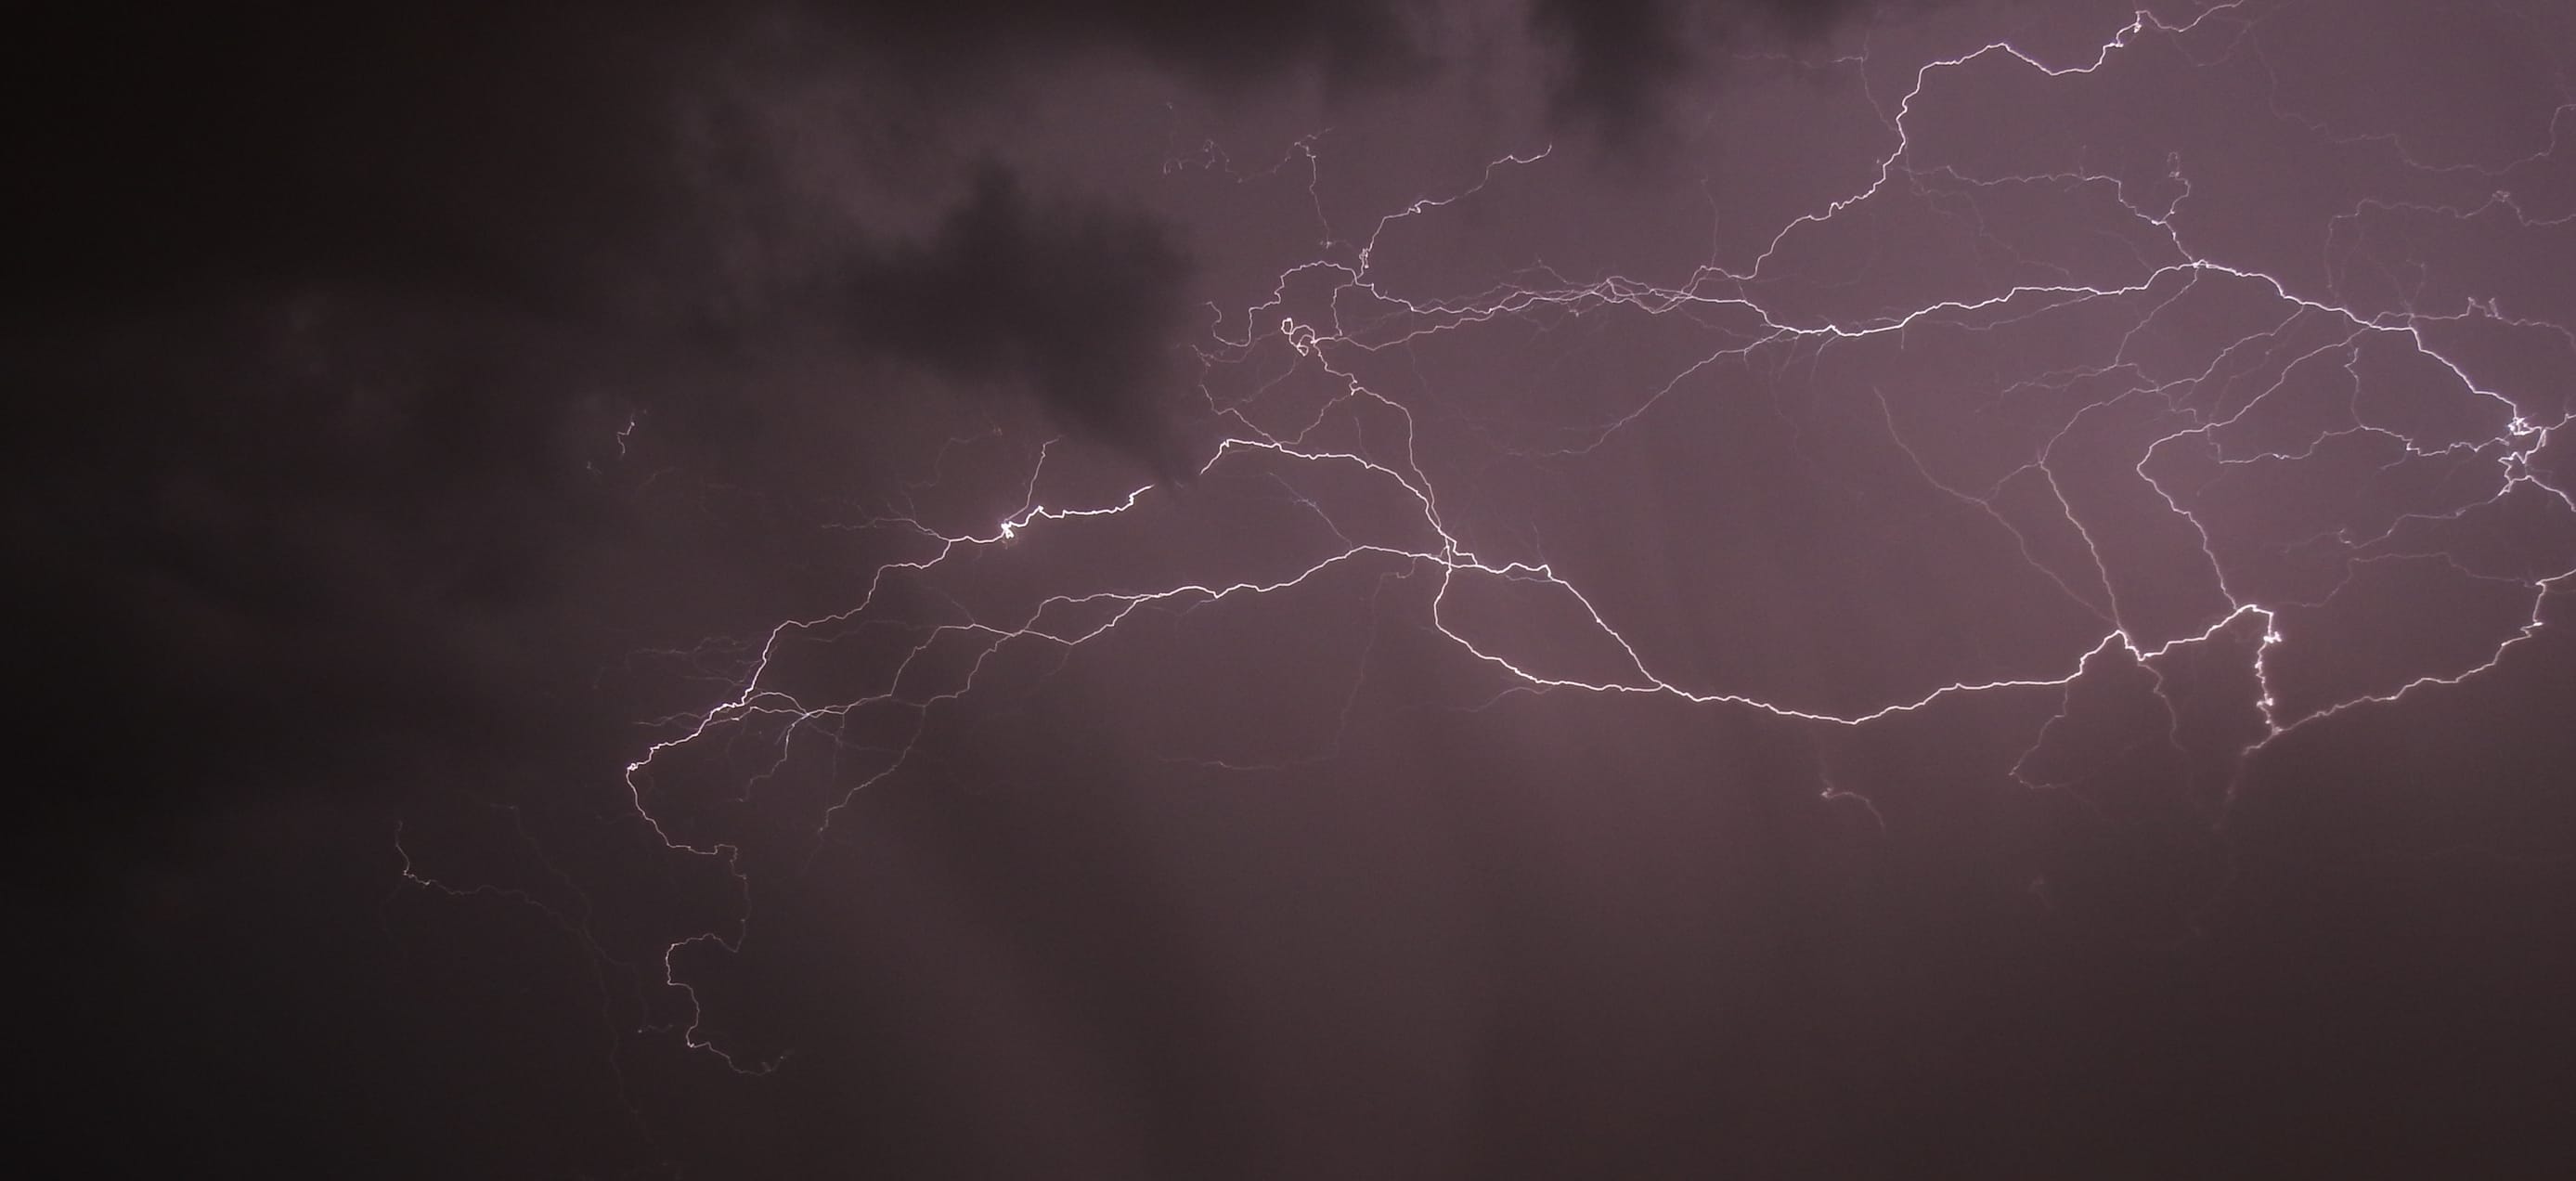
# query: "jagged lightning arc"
{"points": [[2302, 356]]}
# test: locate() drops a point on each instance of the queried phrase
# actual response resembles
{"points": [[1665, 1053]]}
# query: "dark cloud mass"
{"points": [[585, 608], [1082, 304], [1619, 61], [1618, 57]]}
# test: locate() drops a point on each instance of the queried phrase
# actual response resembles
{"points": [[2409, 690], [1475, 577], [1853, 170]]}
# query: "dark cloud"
{"points": [[369, 268], [489, 145], [1619, 60], [1081, 305], [1353, 42]]}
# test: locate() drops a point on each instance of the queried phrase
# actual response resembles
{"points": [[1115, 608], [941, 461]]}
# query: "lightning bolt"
{"points": [[2137, 497]]}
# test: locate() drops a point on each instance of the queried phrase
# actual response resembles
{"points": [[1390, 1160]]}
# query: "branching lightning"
{"points": [[2310, 345]]}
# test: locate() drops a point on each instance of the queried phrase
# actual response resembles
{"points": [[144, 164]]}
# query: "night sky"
{"points": [[1357, 589]]}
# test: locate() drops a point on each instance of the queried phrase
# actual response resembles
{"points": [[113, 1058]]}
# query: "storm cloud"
{"points": [[499, 655]]}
